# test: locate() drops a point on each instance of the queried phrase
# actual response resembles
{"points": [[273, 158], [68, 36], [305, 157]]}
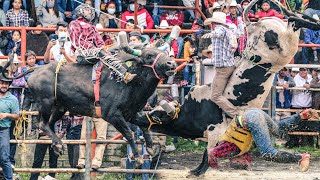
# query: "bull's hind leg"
{"points": [[48, 127], [121, 125]]}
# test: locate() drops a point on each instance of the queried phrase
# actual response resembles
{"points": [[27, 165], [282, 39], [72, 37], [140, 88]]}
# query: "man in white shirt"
{"points": [[59, 48]]}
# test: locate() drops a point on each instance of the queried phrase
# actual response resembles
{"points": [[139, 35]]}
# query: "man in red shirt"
{"points": [[88, 44]]}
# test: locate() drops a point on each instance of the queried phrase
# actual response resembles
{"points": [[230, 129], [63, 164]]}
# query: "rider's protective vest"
{"points": [[238, 136]]}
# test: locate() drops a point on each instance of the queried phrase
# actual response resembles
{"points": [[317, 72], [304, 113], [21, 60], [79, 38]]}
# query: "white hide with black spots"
{"points": [[278, 57]]}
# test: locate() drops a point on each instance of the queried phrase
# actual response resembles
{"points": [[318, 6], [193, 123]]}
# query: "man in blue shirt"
{"points": [[9, 111]]}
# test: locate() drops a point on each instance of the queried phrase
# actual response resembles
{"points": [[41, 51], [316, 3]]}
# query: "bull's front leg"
{"points": [[48, 126], [149, 142], [118, 121]]}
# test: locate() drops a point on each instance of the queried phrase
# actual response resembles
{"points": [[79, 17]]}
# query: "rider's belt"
{"points": [[238, 136]]}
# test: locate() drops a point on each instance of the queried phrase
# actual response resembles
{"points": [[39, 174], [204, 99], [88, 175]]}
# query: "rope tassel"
{"points": [[21, 125]]}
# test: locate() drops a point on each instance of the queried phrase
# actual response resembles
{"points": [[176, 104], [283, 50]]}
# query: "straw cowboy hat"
{"points": [[164, 25], [214, 7], [207, 51], [217, 17]]}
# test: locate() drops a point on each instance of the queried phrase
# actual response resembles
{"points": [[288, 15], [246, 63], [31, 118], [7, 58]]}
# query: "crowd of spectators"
{"points": [[120, 14]]}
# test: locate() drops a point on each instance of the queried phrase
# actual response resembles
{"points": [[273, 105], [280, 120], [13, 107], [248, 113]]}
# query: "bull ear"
{"points": [[125, 46]]}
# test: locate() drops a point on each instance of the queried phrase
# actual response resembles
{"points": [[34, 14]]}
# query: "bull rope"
{"points": [[60, 63], [21, 121]]}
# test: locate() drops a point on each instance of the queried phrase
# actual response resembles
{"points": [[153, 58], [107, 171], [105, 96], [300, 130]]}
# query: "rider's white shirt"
{"points": [[55, 50]]}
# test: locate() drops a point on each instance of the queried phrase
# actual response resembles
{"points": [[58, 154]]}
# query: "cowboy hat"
{"points": [[207, 51], [164, 25], [5, 79], [233, 4], [217, 17], [214, 7]]}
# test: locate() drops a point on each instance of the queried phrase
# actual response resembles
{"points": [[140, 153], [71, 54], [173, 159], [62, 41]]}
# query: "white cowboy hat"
{"points": [[215, 6], [206, 51], [164, 25], [295, 69], [217, 17], [233, 4]]}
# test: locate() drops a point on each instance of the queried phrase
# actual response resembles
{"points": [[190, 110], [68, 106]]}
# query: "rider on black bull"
{"points": [[88, 44]]}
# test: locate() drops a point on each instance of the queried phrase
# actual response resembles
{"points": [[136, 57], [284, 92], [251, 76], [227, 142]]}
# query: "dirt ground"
{"points": [[181, 163]]}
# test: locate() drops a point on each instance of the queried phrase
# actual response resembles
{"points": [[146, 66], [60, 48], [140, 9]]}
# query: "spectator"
{"points": [[4, 40], [67, 7], [189, 51], [313, 7], [157, 40], [130, 24], [9, 111], [37, 41], [17, 16], [190, 17], [144, 19], [104, 4], [55, 50], [208, 70], [267, 12], [74, 126], [295, 5], [6, 5], [60, 128], [173, 17], [136, 38], [294, 71], [2, 16], [48, 13], [101, 127], [301, 99], [109, 20], [244, 4], [14, 45], [215, 8], [14, 72], [283, 96], [315, 83], [234, 14], [310, 55], [28, 99]]}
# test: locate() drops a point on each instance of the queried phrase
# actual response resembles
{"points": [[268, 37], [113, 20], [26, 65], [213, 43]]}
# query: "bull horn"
{"points": [[125, 46], [246, 11], [167, 107], [173, 36]]}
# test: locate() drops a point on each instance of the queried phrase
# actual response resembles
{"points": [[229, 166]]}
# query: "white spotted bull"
{"points": [[272, 43]]}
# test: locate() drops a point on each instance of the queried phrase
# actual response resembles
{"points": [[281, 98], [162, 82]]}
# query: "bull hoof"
{"points": [[150, 151], [57, 149], [139, 160]]}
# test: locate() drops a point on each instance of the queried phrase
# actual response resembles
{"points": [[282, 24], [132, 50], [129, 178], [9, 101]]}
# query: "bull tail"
{"points": [[3, 70]]}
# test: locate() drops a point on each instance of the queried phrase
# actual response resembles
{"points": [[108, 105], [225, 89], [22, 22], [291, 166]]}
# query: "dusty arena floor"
{"points": [[180, 164]]}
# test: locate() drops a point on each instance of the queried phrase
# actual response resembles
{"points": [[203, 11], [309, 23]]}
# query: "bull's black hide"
{"points": [[271, 38]]}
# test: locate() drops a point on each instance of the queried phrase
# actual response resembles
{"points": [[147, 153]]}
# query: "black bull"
{"points": [[120, 102]]}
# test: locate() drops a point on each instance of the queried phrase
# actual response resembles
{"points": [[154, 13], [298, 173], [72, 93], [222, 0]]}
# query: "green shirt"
{"points": [[8, 104]]}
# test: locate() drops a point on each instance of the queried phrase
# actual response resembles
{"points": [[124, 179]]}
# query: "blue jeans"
{"points": [[5, 153], [6, 5], [260, 123], [180, 46], [307, 56], [131, 164]]}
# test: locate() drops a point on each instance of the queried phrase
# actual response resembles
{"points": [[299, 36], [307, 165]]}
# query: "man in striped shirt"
{"points": [[223, 60]]}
